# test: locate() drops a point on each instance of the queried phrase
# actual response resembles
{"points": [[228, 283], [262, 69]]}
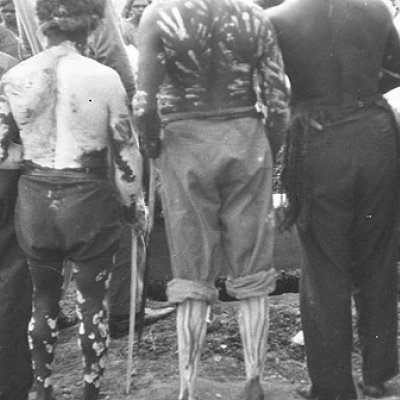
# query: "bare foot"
{"points": [[253, 390]]}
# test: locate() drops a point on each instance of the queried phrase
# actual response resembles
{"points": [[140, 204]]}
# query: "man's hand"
{"points": [[149, 129], [136, 217], [12, 158]]}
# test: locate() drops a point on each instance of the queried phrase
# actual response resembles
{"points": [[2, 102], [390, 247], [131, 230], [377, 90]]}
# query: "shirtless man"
{"points": [[70, 113], [15, 282], [340, 172], [8, 29], [133, 12], [8, 17], [215, 162]]}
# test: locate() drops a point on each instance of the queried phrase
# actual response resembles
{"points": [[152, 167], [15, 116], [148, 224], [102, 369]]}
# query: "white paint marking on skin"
{"points": [[47, 382], [166, 29], [51, 322], [235, 21], [247, 22], [256, 24], [203, 5], [181, 31], [183, 68], [172, 26], [193, 57]]}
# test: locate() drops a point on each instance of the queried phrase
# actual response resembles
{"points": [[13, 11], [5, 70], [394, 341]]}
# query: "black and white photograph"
{"points": [[199, 199]]}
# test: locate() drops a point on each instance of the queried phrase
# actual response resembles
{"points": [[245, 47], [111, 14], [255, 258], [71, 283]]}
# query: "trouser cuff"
{"points": [[259, 284], [179, 290]]}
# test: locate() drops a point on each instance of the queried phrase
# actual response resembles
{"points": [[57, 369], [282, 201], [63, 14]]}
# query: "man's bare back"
{"points": [[62, 103], [333, 50], [70, 112], [208, 51]]}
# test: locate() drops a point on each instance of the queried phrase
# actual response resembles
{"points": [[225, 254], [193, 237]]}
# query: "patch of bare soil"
{"points": [[155, 373]]}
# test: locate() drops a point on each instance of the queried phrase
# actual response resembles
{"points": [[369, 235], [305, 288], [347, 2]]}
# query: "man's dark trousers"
{"points": [[349, 235], [15, 299]]}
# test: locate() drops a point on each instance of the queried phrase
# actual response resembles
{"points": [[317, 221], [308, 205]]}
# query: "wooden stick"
{"points": [[150, 224], [132, 312], [28, 23], [68, 272]]}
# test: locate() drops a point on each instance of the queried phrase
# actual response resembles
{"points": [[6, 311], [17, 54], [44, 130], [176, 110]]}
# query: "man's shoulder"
{"points": [[94, 68], [296, 11], [30, 65], [46, 60], [159, 5]]}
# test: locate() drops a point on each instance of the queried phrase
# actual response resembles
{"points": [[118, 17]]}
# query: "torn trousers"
{"points": [[216, 186], [74, 216], [349, 234], [15, 299]]}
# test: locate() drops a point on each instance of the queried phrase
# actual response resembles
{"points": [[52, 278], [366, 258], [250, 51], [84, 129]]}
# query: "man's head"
{"points": [[69, 19], [7, 13], [134, 9]]}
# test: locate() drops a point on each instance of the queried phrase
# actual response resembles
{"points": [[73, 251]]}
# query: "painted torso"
{"points": [[59, 108], [211, 49], [70, 112]]}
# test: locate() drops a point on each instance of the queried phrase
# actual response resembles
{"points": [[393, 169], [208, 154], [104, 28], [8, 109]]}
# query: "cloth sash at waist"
{"points": [[219, 114], [77, 173]]}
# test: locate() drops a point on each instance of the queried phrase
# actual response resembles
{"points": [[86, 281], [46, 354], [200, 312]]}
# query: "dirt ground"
{"points": [[155, 372]]}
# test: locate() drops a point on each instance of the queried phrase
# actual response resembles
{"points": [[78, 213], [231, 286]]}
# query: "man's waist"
{"points": [[325, 114], [349, 105], [215, 114], [78, 173]]}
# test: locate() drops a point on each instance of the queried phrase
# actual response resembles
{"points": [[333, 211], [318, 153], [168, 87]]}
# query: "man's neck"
{"points": [[54, 41]]}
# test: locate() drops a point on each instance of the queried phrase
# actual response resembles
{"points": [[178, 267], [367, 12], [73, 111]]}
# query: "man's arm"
{"points": [[274, 89], [390, 77], [151, 73], [126, 158], [10, 152]]}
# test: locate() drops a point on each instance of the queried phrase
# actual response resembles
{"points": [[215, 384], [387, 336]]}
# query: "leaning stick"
{"points": [[150, 224], [28, 23], [132, 312]]}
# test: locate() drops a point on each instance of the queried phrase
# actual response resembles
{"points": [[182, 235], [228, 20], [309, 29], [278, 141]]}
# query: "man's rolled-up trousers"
{"points": [[216, 178]]}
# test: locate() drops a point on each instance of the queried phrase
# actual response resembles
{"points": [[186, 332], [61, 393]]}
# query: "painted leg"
{"points": [[92, 311], [42, 330], [253, 325], [191, 330]]}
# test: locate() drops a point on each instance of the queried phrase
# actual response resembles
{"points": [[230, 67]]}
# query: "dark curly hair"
{"points": [[68, 16], [4, 3]]}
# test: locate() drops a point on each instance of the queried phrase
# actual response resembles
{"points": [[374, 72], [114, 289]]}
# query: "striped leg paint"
{"points": [[253, 321], [191, 330]]}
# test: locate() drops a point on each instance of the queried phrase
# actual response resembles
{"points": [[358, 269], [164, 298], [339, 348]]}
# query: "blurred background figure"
{"points": [[131, 15], [9, 42], [7, 14]]}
